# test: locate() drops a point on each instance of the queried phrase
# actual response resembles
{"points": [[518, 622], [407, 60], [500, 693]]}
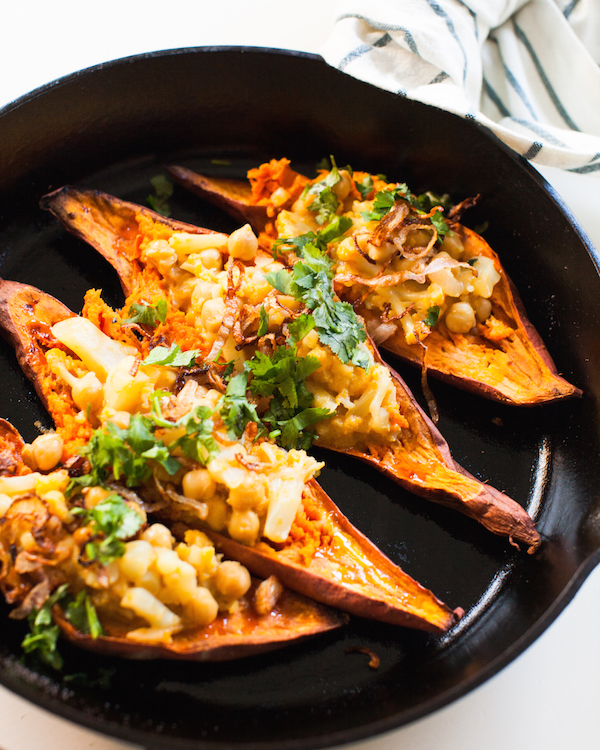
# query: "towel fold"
{"points": [[519, 67]]}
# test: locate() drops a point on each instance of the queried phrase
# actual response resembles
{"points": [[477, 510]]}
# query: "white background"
{"points": [[549, 698]]}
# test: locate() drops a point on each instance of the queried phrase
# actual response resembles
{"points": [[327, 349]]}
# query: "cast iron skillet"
{"points": [[112, 127]]}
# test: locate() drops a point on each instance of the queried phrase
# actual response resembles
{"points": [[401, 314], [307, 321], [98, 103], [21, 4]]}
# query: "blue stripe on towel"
{"points": [[363, 50], [539, 130], [386, 27], [533, 150], [439, 11], [495, 98], [522, 37], [570, 8]]}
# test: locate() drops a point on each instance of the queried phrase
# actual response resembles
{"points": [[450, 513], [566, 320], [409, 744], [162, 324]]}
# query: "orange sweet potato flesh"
{"points": [[419, 460], [49, 564], [325, 555], [293, 619], [515, 369]]}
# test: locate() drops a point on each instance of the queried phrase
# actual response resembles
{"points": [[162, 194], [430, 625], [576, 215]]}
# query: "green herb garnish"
{"points": [[171, 356], [281, 378], [311, 282], [148, 315], [385, 199], [82, 614], [43, 632], [433, 313], [163, 190], [113, 520]]}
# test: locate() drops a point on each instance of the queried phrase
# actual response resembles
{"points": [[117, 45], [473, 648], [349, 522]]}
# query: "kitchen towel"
{"points": [[526, 69]]}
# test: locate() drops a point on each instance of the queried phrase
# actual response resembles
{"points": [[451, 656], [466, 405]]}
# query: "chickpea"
{"points": [[158, 535], [95, 495], [460, 317], [198, 484], [202, 608], [483, 308], [344, 186], [232, 579], [213, 311], [453, 245], [44, 453], [218, 511], [243, 243], [88, 393], [244, 526], [139, 556], [211, 259]]}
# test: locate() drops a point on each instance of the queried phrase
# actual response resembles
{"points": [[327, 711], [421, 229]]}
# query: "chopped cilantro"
{"points": [[472, 261], [365, 186], [337, 227], [235, 408], [163, 190], [281, 378], [198, 442], [311, 282], [325, 202], [171, 356], [114, 520], [384, 201], [264, 322], [83, 616], [433, 313], [300, 327], [149, 315], [43, 633]]}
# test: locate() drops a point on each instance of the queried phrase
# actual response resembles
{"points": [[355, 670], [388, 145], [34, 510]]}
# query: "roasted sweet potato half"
{"points": [[220, 285], [258, 494], [420, 283], [144, 595]]}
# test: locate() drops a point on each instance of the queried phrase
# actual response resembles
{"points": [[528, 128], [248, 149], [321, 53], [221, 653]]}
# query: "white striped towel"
{"points": [[519, 67]]}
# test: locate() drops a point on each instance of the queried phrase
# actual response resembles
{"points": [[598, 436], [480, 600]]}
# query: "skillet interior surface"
{"points": [[223, 111]]}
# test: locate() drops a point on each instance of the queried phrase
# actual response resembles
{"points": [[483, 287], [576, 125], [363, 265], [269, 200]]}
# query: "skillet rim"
{"points": [[51, 703]]}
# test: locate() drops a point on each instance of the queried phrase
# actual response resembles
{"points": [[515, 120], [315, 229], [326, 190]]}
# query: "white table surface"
{"points": [[548, 698]]}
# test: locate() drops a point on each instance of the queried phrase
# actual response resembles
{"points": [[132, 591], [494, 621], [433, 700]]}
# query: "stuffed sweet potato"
{"points": [[128, 421], [90, 563], [246, 308], [430, 290]]}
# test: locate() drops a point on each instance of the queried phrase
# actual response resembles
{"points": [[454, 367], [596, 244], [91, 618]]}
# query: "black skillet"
{"points": [[223, 110]]}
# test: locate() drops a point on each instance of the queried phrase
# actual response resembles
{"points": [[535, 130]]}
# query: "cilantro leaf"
{"points": [[264, 322], [325, 202], [149, 315], [311, 282], [198, 442], [384, 201], [235, 409], [365, 186], [82, 614], [43, 634], [300, 327], [281, 378], [114, 520], [433, 313], [171, 356], [163, 190]]}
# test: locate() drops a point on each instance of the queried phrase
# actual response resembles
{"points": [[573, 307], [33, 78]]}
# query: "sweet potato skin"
{"points": [[461, 360], [294, 619], [244, 633], [479, 501], [403, 601], [518, 370], [333, 576]]}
